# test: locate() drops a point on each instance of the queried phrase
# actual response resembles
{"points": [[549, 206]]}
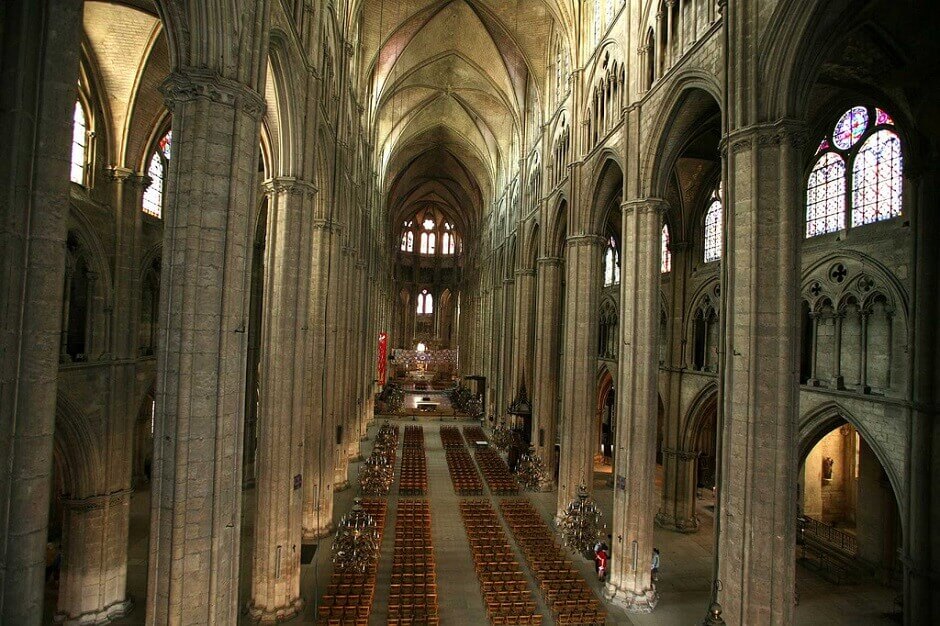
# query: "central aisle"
{"points": [[459, 594]]}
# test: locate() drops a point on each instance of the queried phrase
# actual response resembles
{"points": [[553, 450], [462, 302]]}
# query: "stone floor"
{"points": [[685, 576]]}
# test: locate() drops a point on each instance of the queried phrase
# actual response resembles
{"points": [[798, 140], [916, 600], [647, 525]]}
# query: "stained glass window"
{"points": [[850, 127], [425, 303], [611, 263], [79, 144], [408, 241], [825, 196], [666, 264], [159, 161], [872, 153], [713, 224], [877, 179]]}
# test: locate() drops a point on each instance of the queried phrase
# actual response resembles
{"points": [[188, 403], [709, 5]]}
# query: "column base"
{"points": [[669, 522], [630, 601], [93, 618], [319, 533], [276, 615]]}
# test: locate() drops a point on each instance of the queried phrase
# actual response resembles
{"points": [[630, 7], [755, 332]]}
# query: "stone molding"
{"points": [[790, 131], [576, 241], [99, 501], [102, 616], [682, 455], [548, 261], [329, 225], [529, 271], [645, 205], [190, 84], [289, 184]]}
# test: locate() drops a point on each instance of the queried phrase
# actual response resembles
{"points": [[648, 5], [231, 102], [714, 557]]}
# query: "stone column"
{"points": [[583, 283], [759, 396], [921, 558], [93, 583], [275, 582], [680, 479], [39, 68], [630, 582], [205, 282], [320, 430], [506, 385], [522, 360], [547, 350], [677, 511]]}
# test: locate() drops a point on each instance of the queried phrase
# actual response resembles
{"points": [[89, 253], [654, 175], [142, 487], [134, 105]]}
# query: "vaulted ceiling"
{"points": [[448, 84]]}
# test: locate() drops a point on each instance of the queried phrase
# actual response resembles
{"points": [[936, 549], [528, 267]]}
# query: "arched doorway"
{"points": [[850, 530], [605, 425]]}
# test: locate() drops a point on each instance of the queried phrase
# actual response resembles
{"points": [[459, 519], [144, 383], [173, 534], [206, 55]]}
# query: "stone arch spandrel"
{"points": [[883, 426]]}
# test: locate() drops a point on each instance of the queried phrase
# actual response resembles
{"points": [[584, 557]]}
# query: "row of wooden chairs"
{"points": [[413, 590], [451, 438], [564, 589], [474, 434], [349, 595], [413, 480], [500, 481], [463, 473], [506, 592]]}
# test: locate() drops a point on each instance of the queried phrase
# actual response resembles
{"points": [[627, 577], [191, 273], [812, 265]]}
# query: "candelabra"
{"points": [[502, 437], [356, 545], [376, 476], [580, 523], [530, 471]]}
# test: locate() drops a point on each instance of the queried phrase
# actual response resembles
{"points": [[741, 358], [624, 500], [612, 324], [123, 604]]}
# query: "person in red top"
{"points": [[601, 559]]}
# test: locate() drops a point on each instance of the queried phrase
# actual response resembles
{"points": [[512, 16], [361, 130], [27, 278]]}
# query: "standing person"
{"points": [[601, 564], [655, 565]]}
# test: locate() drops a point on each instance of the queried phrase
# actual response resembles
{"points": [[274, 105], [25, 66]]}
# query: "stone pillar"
{"points": [[759, 396], [630, 582], [275, 582], [522, 360], [678, 508], [675, 465], [205, 282], [39, 68], [506, 385], [319, 433], [921, 557], [93, 582], [547, 351], [583, 284]]}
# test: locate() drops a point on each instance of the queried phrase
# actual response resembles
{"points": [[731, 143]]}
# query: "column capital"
{"points": [[785, 130], [548, 261], [682, 455], [645, 205], [528, 271], [190, 83], [288, 184], [585, 240]]}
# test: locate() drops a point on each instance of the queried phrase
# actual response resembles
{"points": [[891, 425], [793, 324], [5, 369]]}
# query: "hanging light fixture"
{"points": [[376, 476], [530, 471], [356, 545], [580, 523]]}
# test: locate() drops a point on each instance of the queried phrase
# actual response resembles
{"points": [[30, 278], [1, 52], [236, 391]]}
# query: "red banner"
{"points": [[383, 357]]}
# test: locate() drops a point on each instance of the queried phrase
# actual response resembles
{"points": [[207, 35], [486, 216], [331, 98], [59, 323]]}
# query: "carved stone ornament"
{"points": [[288, 184], [195, 84], [645, 205]]}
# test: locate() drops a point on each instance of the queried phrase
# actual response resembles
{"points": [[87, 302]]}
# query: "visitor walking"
{"points": [[655, 565]]}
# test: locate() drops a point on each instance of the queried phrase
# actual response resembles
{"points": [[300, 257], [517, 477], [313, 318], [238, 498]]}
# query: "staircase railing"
{"points": [[828, 534]]}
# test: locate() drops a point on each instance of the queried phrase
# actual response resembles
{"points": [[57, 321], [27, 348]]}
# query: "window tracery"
{"points": [[79, 158], [425, 303], [864, 142], [666, 264], [159, 162], [713, 227], [612, 263]]}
